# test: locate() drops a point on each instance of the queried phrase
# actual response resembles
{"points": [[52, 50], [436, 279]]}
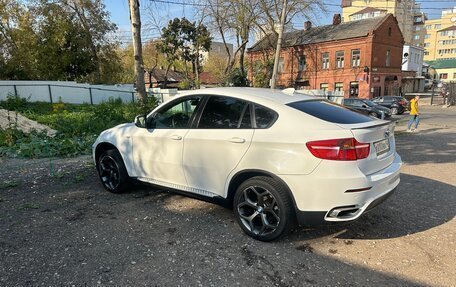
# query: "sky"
{"points": [[153, 12]]}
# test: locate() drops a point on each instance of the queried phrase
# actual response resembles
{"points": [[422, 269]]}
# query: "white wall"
{"points": [[67, 92], [414, 61]]}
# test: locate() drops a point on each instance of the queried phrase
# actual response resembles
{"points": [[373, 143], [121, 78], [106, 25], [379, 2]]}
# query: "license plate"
{"points": [[382, 146]]}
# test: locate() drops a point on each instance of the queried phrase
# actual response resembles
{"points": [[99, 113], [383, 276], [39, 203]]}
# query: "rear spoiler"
{"points": [[376, 123]]}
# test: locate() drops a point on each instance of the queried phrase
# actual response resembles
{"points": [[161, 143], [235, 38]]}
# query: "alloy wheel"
{"points": [[258, 210], [109, 172]]}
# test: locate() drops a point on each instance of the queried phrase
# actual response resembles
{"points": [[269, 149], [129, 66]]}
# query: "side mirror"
{"points": [[140, 121]]}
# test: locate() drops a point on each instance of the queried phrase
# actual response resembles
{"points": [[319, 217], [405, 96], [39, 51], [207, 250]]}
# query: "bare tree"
{"points": [[137, 48]]}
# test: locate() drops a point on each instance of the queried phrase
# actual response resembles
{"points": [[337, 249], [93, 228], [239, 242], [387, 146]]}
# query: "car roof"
{"points": [[259, 95]]}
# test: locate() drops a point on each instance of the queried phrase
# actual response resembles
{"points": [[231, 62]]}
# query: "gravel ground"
{"points": [[65, 229]]}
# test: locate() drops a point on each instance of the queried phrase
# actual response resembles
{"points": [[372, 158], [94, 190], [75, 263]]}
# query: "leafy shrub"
{"points": [[77, 126]]}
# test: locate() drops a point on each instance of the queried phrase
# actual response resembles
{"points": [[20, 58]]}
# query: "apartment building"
{"points": [[359, 58], [407, 12], [440, 38]]}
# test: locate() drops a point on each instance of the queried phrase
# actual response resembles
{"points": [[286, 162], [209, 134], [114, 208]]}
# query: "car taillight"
{"points": [[339, 149]]}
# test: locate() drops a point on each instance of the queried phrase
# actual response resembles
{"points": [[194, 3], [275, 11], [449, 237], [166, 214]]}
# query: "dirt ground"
{"points": [[65, 229]]}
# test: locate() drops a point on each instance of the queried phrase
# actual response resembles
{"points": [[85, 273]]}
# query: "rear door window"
{"points": [[222, 113], [264, 117], [330, 112]]}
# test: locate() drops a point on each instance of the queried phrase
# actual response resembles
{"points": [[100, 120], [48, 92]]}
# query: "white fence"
{"points": [[67, 92]]}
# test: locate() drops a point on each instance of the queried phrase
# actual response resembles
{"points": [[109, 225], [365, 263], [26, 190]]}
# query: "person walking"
{"points": [[414, 114]]}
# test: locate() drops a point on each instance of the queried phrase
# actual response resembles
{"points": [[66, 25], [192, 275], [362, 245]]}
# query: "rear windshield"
{"points": [[330, 112]]}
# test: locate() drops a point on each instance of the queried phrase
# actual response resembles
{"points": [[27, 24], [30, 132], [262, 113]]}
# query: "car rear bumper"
{"points": [[318, 218], [331, 195]]}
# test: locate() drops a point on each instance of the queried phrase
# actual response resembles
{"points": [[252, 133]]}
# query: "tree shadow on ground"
{"points": [[418, 204]]}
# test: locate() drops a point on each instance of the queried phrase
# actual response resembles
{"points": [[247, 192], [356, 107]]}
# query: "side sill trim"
{"points": [[178, 187]]}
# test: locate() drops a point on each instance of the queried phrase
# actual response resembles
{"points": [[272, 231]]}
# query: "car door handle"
{"points": [[176, 137], [237, 140]]}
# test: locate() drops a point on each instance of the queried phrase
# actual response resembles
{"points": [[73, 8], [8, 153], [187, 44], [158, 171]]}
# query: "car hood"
{"points": [[113, 134]]}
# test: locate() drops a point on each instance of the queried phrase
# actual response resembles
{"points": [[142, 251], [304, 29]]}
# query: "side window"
{"points": [[264, 117], [222, 113], [176, 116], [348, 102]]}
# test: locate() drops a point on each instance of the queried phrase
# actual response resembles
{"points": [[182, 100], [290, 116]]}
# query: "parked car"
{"points": [[397, 105], [367, 107], [274, 158]]}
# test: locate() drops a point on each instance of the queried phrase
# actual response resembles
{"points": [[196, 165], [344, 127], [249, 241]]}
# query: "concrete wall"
{"points": [[67, 92]]}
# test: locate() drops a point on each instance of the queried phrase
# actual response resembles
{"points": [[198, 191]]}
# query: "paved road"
{"points": [[65, 229]]}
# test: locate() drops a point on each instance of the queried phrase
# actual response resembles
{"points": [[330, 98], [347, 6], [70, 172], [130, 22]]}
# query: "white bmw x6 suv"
{"points": [[275, 158]]}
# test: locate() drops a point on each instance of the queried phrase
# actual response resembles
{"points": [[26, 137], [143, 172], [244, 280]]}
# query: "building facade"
{"points": [[360, 58], [407, 12], [217, 49], [440, 38], [445, 70]]}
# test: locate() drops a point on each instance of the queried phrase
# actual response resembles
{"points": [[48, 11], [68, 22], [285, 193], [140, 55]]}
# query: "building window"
{"points": [[302, 63], [443, 76], [324, 86], [339, 59], [417, 28], [339, 87], [426, 53], [388, 58], [437, 26], [447, 33], [427, 45], [389, 31], [356, 58], [428, 27], [416, 37], [354, 89], [447, 51], [281, 66], [427, 36], [325, 60]]}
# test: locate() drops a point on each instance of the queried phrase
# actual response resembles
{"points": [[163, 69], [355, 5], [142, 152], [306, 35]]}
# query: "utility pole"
{"points": [[137, 48], [279, 45]]}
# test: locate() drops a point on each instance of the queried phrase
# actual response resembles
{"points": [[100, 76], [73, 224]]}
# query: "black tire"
{"points": [[372, 114], [394, 111], [112, 171], [263, 208]]}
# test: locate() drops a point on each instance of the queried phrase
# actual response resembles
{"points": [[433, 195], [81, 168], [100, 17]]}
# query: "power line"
{"points": [[324, 3]]}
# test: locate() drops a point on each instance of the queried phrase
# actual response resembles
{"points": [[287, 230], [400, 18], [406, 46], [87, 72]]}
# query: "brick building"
{"points": [[361, 58]]}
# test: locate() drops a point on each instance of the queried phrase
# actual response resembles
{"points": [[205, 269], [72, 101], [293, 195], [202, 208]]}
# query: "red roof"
{"points": [[368, 10], [208, 78]]}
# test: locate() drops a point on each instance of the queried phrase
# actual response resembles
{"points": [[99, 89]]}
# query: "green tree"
{"points": [[57, 40], [185, 40]]}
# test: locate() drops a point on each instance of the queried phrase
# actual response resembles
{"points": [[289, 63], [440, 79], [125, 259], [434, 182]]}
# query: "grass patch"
{"points": [[28, 206], [77, 126], [9, 184]]}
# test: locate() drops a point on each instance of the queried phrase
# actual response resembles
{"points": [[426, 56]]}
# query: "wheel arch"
{"points": [[243, 175], [104, 146]]}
